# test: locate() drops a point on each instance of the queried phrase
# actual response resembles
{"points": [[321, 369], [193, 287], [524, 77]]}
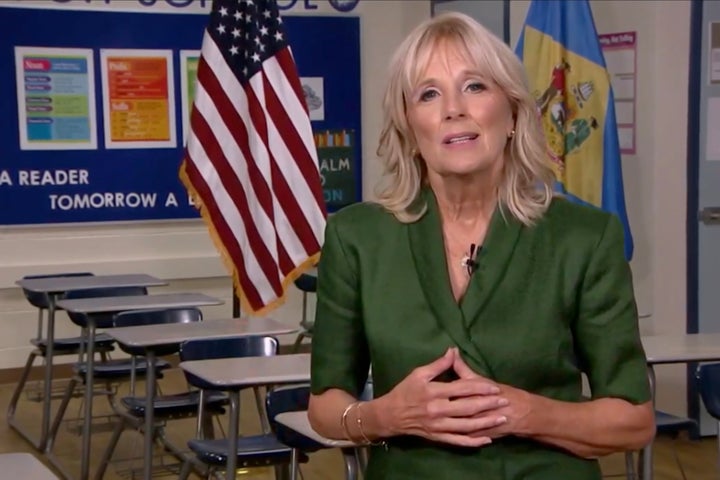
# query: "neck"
{"points": [[465, 201]]}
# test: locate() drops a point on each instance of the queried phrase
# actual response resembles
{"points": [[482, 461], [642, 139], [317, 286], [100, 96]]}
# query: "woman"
{"points": [[479, 298]]}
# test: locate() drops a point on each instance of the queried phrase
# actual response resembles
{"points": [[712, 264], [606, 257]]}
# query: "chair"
{"points": [[307, 284], [255, 450], [61, 346], [165, 407], [355, 458], [109, 371], [269, 448]]}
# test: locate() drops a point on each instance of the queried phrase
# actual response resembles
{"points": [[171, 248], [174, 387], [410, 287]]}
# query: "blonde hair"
{"points": [[525, 188]]}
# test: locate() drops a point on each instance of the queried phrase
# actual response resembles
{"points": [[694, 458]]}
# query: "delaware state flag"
{"points": [[566, 70]]}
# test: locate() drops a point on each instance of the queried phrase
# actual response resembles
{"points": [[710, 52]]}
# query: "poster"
{"points": [[138, 98], [116, 184], [189, 60], [620, 52], [55, 98], [337, 166]]}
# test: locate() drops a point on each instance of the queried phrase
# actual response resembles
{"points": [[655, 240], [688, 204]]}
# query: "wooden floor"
{"points": [[697, 458]]}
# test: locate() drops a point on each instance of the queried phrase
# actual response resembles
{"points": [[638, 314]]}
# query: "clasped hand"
{"points": [[469, 411]]}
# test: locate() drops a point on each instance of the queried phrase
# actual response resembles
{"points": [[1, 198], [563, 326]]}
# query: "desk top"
{"points": [[24, 465], [136, 302], [248, 371], [170, 333], [299, 422], [682, 348], [66, 284]]}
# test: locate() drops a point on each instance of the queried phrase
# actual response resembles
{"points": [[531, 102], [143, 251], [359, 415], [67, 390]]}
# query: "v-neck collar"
{"points": [[427, 246]]}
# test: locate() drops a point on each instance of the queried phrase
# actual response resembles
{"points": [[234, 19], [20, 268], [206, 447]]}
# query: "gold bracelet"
{"points": [[343, 421], [362, 432]]}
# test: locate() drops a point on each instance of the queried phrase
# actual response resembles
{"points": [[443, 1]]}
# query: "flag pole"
{"points": [[235, 303]]}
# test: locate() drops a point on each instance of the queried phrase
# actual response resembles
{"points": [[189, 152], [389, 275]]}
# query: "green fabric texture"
{"points": [[546, 303]]}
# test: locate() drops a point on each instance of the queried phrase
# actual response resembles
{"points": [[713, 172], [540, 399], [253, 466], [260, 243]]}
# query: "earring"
{"points": [[512, 133], [413, 153]]}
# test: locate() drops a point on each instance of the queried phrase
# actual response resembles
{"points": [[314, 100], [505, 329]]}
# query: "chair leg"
{"points": [[351, 466], [298, 342], [60, 413], [261, 411], [185, 470], [283, 472], [107, 455], [294, 464], [21, 384], [362, 454], [629, 466]]}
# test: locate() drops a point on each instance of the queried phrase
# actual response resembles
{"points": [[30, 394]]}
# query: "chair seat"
{"points": [[667, 423], [185, 403], [252, 451], [103, 342], [120, 368]]}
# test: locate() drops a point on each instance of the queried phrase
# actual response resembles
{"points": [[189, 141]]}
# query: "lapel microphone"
{"points": [[469, 261]]}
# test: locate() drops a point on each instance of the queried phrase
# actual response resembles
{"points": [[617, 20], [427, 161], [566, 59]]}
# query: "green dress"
{"points": [[547, 303]]}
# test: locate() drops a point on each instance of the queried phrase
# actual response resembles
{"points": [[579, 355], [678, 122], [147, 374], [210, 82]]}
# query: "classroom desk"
{"points": [[679, 348], [115, 304], [150, 336], [299, 422], [24, 466], [53, 288], [233, 374]]}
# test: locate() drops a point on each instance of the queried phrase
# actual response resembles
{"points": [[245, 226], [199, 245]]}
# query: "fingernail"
{"points": [[503, 401], [501, 420], [494, 390]]}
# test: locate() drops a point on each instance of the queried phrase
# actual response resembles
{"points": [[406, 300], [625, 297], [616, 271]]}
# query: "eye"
{"points": [[476, 87], [428, 95]]}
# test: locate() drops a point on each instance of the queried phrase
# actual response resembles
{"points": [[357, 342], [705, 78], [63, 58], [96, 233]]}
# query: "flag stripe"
{"points": [[287, 147], [207, 77], [236, 205], [300, 133], [223, 230], [287, 236]]}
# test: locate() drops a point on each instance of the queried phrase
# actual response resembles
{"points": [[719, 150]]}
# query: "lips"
{"points": [[459, 138]]}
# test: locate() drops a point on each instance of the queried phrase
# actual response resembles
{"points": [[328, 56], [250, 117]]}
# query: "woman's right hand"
{"points": [[441, 411]]}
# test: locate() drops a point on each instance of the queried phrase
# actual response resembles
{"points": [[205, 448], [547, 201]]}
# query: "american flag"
{"points": [[250, 161]]}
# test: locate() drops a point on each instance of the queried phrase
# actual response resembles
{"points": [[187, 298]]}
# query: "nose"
{"points": [[454, 106]]}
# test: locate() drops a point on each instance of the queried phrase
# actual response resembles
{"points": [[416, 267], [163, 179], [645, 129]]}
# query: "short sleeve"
{"points": [[607, 336], [340, 357]]}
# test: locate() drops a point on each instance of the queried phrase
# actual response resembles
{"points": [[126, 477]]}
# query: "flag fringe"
{"points": [[225, 257]]}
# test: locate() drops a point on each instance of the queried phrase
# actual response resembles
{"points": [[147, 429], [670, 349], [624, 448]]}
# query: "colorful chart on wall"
{"points": [[95, 120]]}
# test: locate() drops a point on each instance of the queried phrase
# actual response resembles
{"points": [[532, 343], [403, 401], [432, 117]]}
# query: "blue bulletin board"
{"points": [[89, 182]]}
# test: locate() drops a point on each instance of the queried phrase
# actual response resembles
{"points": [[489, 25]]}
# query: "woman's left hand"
{"points": [[517, 411]]}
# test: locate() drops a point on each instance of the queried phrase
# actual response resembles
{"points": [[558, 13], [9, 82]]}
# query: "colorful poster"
{"points": [[620, 54], [138, 98], [189, 60], [337, 166], [55, 98]]}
